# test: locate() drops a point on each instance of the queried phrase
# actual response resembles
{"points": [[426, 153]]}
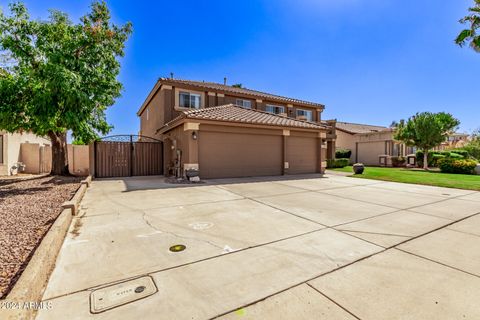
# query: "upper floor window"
{"points": [[190, 100], [147, 113], [305, 114], [244, 103], [274, 109]]}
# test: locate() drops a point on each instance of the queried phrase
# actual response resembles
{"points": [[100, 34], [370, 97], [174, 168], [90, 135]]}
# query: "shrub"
{"points": [[399, 161], [455, 155], [473, 149], [435, 158], [462, 152], [337, 163], [451, 165], [343, 153]]}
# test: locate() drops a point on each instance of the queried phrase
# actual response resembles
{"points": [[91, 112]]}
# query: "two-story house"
{"points": [[227, 131]]}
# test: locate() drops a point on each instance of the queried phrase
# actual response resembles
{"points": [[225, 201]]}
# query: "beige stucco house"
{"points": [[22, 147], [368, 142], [225, 131]]}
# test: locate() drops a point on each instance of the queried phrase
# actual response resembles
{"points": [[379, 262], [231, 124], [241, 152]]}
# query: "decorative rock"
{"points": [[195, 179]]}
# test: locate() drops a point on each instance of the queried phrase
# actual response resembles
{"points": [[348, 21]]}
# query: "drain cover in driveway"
{"points": [[121, 293]]}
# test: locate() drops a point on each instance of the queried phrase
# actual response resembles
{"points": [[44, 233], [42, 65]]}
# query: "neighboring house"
{"points": [[17, 147], [368, 142], [226, 131], [455, 140]]}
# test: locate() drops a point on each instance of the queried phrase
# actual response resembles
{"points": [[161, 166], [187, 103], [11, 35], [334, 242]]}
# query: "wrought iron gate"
{"points": [[128, 155]]}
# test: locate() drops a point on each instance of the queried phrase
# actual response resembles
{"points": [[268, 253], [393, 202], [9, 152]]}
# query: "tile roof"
{"points": [[227, 88], [359, 128], [233, 113]]}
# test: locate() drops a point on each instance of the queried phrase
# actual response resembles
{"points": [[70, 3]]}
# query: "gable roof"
{"points": [[226, 88], [354, 128], [237, 114]]}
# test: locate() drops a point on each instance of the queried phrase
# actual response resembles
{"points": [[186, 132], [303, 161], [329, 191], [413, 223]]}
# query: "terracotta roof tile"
{"points": [[359, 128], [233, 113], [226, 88]]}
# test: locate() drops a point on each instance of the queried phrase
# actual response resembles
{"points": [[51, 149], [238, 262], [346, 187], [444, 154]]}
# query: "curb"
{"points": [[26, 295]]}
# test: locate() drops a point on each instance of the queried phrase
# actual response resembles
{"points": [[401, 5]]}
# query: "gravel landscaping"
{"points": [[27, 210]]}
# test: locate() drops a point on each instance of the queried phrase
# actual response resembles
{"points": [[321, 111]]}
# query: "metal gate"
{"points": [[128, 155]]}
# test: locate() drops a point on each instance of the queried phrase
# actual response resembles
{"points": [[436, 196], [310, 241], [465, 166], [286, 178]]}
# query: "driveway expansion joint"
{"points": [[335, 302], [437, 262]]}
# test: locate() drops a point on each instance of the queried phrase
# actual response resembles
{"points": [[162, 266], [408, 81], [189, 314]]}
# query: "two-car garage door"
{"points": [[235, 154], [239, 155]]}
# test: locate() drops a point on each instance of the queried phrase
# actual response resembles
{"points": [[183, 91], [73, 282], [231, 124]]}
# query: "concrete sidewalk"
{"points": [[298, 247]]}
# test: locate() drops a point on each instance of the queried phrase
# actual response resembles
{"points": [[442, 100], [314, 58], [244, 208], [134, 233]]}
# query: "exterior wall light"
{"points": [[194, 135]]}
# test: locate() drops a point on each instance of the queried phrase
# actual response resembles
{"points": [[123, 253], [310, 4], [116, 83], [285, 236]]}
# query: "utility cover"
{"points": [[121, 293]]}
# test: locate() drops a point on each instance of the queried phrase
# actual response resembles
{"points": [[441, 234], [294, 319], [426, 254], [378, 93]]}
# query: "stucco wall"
{"points": [[37, 157], [12, 148], [346, 141], [79, 160]]}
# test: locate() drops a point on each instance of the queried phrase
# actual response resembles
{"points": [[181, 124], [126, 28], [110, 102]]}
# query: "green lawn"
{"points": [[460, 181]]}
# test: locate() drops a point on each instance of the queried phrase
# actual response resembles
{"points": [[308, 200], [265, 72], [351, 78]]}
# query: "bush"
{"points": [[399, 161], [463, 153], [337, 163], [434, 156], [473, 149], [451, 165], [343, 154], [455, 155]]}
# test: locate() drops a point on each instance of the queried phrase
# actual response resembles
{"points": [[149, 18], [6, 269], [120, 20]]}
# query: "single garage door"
{"points": [[229, 155], [368, 152], [302, 154]]}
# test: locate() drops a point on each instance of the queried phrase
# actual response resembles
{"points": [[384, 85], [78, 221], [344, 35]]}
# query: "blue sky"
{"points": [[369, 61]]}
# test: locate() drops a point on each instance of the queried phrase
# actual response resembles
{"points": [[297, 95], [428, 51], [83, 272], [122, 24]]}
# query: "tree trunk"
{"points": [[59, 154], [425, 159]]}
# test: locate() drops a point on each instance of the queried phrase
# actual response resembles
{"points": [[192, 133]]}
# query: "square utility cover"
{"points": [[121, 293]]}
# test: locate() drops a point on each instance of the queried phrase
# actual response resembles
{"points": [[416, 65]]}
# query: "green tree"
{"points": [[473, 146], [470, 35], [237, 85], [63, 76], [425, 131]]}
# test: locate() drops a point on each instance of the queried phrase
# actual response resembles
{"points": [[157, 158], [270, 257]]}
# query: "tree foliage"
{"points": [[473, 146], [470, 35], [64, 75], [426, 130]]}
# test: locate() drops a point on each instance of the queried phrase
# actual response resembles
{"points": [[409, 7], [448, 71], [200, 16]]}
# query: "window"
{"points": [[307, 114], [147, 113], [244, 103], [1, 148], [274, 109], [190, 100]]}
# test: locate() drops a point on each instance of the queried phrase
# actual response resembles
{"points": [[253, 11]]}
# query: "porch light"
{"points": [[194, 135]]}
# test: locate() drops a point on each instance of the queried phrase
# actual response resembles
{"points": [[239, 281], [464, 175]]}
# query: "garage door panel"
{"points": [[302, 154], [368, 152], [239, 155]]}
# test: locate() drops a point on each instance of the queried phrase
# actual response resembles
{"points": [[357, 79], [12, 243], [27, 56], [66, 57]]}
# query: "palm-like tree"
{"points": [[470, 35]]}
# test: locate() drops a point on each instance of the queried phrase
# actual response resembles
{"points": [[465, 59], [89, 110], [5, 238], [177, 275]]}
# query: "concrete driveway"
{"points": [[298, 247]]}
